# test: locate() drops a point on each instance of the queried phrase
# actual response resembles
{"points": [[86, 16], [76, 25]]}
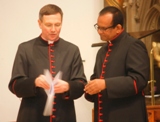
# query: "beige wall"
{"points": [[18, 23]]}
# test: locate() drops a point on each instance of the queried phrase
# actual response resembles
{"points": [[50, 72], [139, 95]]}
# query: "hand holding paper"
{"points": [[50, 92], [61, 86]]}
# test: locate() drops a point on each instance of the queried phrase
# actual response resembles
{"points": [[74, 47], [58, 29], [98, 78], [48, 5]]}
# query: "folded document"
{"points": [[50, 92]]}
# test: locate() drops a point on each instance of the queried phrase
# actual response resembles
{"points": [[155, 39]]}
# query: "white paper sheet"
{"points": [[50, 92]]}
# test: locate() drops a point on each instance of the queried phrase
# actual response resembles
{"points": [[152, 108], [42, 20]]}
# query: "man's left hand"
{"points": [[95, 86], [61, 86]]}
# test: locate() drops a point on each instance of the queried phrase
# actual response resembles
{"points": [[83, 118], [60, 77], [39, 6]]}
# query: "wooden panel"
{"points": [[153, 113]]}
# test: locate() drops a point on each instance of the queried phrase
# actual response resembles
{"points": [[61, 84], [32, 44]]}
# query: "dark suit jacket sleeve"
{"points": [[89, 97], [78, 79], [20, 84], [137, 70]]}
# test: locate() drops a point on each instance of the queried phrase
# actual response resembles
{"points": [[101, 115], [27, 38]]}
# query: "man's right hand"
{"points": [[40, 81]]}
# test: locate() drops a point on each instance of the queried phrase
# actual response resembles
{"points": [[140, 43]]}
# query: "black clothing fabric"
{"points": [[31, 59], [124, 64]]}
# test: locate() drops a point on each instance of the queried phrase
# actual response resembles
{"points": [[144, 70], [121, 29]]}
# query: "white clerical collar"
{"points": [[50, 42]]}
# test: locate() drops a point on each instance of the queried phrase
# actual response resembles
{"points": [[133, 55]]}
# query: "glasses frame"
{"points": [[102, 28]]}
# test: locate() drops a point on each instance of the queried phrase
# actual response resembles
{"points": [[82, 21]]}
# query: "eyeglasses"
{"points": [[102, 28]]}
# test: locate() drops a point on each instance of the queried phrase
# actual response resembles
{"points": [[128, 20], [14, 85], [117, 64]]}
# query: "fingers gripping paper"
{"points": [[50, 92]]}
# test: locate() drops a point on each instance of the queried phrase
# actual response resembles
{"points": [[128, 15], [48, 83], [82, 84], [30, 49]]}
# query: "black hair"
{"points": [[117, 15], [49, 9]]}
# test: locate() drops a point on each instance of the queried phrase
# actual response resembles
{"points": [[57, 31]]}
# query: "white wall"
{"points": [[18, 23]]}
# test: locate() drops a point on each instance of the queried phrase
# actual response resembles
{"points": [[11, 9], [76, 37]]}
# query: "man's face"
{"points": [[50, 26], [104, 27]]}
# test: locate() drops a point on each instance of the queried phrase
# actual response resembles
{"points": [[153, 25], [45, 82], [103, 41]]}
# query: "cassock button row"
{"points": [[52, 56], [51, 45], [107, 54], [53, 72], [109, 50], [100, 101], [110, 44], [100, 114], [52, 50], [99, 95], [66, 97], [105, 60], [101, 77], [52, 61], [53, 67], [100, 120], [100, 108], [53, 109]]}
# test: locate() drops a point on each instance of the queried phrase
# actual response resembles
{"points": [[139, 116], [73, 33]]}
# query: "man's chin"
{"points": [[53, 39], [104, 39]]}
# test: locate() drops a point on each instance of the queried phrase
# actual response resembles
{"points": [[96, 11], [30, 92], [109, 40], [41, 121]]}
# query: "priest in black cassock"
{"points": [[121, 72], [47, 51]]}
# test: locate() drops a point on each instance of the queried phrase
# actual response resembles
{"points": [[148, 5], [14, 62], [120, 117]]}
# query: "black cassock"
{"points": [[31, 59], [124, 64]]}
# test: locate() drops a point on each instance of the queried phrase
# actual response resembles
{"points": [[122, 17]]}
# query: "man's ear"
{"points": [[119, 28], [39, 23]]}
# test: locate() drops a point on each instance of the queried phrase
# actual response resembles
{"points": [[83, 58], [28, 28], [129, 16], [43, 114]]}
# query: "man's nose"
{"points": [[53, 28], [100, 31]]}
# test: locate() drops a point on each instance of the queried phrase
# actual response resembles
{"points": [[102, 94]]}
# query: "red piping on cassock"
{"points": [[52, 61], [135, 87], [102, 77]]}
